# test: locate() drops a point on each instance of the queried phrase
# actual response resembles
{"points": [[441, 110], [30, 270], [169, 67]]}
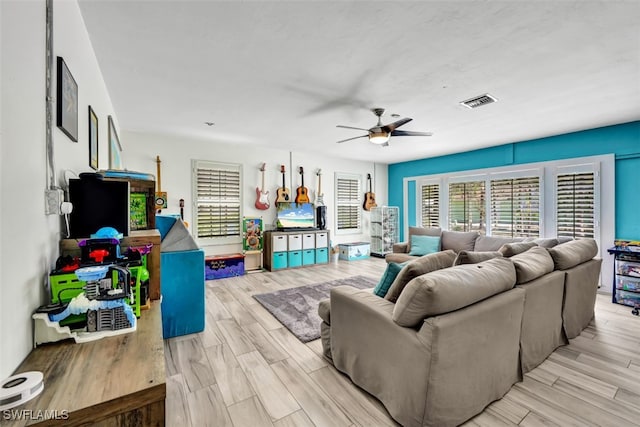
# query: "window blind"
{"points": [[575, 205], [218, 200], [349, 213], [430, 203], [467, 206], [515, 207]]}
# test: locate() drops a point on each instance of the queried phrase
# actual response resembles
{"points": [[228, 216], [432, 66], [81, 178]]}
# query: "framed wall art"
{"points": [[93, 139], [115, 149], [66, 101]]}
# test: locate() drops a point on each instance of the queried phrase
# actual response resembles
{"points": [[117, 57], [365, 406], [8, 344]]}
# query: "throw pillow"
{"points": [[418, 267], [510, 249], [469, 257], [424, 245], [389, 275], [531, 264]]}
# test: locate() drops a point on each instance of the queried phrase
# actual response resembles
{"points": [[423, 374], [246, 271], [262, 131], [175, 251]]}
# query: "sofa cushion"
{"points": [[534, 263], [544, 242], [493, 243], [458, 240], [324, 310], [448, 290], [572, 253], [468, 257], [511, 249], [418, 267], [387, 278], [424, 245]]}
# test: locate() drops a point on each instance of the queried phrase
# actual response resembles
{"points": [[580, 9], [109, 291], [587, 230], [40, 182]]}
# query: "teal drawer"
{"points": [[295, 258], [308, 257], [279, 260], [322, 256]]}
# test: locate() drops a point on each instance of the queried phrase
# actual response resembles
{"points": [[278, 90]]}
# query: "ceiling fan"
{"points": [[380, 134]]}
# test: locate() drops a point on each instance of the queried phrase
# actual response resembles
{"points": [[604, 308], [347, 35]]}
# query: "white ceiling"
{"points": [[284, 74]]}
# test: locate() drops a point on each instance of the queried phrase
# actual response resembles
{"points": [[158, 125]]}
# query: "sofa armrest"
{"points": [[401, 248], [387, 360]]}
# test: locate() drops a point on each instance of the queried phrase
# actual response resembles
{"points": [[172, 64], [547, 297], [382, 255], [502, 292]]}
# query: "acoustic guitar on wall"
{"points": [[369, 197], [302, 194], [283, 192], [262, 196]]}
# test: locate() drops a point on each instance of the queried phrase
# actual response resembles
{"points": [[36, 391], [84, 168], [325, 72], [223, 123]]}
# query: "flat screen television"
{"points": [[291, 216], [97, 204]]}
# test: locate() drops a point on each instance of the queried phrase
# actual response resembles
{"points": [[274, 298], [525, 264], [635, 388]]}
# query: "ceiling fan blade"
{"points": [[392, 126], [351, 127], [355, 137], [410, 133]]}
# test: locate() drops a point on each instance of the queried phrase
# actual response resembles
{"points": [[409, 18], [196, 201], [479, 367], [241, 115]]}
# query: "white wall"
{"points": [[140, 151], [29, 238]]}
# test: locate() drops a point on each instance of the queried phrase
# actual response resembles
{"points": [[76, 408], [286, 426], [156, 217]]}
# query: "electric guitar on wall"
{"points": [[262, 197], [283, 192], [320, 196], [302, 194], [369, 197]]}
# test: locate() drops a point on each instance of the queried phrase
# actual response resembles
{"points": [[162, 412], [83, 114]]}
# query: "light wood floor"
{"points": [[246, 369]]}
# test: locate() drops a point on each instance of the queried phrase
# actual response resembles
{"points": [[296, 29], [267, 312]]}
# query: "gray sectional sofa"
{"points": [[447, 339]]}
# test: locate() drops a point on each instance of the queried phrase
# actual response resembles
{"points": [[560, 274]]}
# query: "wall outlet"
{"points": [[53, 199]]}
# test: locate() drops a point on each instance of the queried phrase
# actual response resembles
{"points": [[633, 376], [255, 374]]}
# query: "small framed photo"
{"points": [[66, 101], [115, 149], [93, 139]]}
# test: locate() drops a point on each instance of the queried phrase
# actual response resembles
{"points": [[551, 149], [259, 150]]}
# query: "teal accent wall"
{"points": [[622, 140]]}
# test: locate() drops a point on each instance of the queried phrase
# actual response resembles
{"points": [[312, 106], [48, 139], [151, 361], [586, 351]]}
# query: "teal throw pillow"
{"points": [[424, 245], [387, 278]]}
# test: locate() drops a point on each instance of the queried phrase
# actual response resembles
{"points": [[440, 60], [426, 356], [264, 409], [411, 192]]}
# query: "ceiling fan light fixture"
{"points": [[379, 138]]}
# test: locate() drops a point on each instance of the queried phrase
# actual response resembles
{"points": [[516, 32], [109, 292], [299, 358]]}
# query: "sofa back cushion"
{"points": [[468, 257], [511, 249], [458, 240], [492, 243], [572, 253], [453, 288], [534, 263], [418, 267]]}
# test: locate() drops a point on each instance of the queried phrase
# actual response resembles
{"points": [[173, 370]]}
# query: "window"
{"points": [[348, 209], [217, 200], [515, 207], [467, 206], [430, 205], [575, 206]]}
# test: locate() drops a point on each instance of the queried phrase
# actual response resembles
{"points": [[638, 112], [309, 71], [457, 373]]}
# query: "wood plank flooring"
{"points": [[246, 369]]}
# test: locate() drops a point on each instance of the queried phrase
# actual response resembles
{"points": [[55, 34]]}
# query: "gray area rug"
{"points": [[297, 308]]}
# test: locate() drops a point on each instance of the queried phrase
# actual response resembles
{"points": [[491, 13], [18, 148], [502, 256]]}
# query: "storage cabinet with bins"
{"points": [[290, 249], [626, 278], [384, 229]]}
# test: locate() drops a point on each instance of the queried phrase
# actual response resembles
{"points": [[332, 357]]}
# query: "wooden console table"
{"points": [[135, 238], [113, 381]]}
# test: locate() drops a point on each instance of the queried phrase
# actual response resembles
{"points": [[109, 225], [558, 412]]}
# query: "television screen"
{"points": [[97, 204], [295, 215]]}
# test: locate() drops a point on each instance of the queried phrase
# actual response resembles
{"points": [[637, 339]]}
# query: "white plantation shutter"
{"points": [[467, 206], [349, 211], [430, 202], [515, 207], [217, 199], [575, 205]]}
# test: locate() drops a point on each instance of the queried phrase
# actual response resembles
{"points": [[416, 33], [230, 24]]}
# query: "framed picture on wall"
{"points": [[66, 101], [93, 139], [115, 149]]}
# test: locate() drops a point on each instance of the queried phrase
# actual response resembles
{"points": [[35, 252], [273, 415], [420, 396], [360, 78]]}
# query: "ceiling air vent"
{"points": [[479, 101]]}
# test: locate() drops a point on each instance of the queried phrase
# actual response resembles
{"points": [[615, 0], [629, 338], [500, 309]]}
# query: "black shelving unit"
{"points": [[626, 277]]}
